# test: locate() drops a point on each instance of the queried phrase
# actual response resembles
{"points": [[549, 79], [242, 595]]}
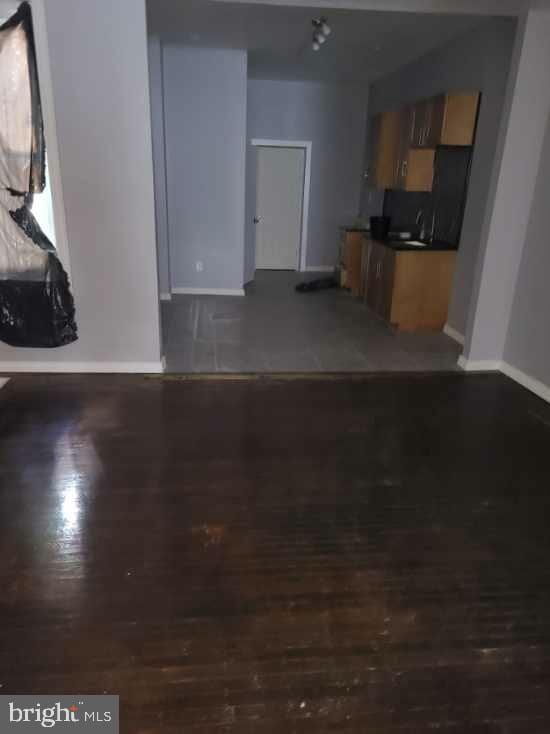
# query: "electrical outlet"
{"points": [[199, 265]]}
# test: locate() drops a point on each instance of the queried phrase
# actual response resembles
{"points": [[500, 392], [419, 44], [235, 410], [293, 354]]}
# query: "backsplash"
{"points": [[403, 207], [442, 209]]}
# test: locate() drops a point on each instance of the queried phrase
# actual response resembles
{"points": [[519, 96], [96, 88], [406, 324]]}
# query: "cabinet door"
{"points": [[379, 280], [371, 278], [460, 118], [353, 261], [385, 283], [434, 113], [419, 172], [387, 149], [419, 113], [406, 131]]}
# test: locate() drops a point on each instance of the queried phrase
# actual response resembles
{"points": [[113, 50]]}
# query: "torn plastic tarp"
{"points": [[36, 305]]}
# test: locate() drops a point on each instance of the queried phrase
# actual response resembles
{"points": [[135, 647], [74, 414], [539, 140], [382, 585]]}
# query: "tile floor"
{"points": [[275, 329]]}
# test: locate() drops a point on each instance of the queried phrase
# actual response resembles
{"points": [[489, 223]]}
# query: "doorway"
{"points": [[283, 173], [279, 204]]}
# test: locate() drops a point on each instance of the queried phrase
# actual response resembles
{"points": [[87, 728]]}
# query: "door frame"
{"points": [[306, 145], [50, 131]]}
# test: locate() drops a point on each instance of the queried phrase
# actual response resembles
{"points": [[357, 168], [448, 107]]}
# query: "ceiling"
{"points": [[363, 45]]}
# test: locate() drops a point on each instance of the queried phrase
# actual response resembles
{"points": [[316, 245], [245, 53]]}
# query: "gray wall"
{"points": [[98, 56], [205, 124], [479, 59], [159, 168], [7, 8], [333, 117], [528, 339]]}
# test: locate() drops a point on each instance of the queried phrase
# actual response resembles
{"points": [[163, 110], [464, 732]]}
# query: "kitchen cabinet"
{"points": [[410, 289], [417, 170], [351, 245], [459, 118], [418, 123], [429, 114], [387, 128], [447, 119], [379, 278], [399, 165], [404, 140], [405, 121]]}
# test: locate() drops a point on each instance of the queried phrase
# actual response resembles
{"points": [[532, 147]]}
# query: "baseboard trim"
{"points": [[454, 334], [86, 367], [529, 383], [525, 380], [165, 296], [480, 365], [208, 291], [319, 269]]}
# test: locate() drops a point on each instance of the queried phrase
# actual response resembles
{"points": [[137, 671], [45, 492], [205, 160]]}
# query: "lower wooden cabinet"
{"points": [[409, 289], [351, 244]]}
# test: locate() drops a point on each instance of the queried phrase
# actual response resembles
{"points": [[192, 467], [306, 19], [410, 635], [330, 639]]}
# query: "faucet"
{"points": [[421, 222], [421, 218]]}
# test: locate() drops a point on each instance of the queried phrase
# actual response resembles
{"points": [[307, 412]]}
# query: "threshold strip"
{"points": [[286, 376]]}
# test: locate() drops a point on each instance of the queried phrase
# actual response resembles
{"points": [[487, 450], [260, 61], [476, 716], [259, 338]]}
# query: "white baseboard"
{"points": [[454, 334], [4, 381], [87, 367], [319, 269], [532, 384], [480, 365], [165, 296], [208, 291]]}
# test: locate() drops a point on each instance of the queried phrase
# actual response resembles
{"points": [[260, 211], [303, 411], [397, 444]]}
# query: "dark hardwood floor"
{"points": [[368, 555]]}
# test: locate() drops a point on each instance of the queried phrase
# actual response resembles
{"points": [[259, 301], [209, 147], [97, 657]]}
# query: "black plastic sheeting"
{"points": [[36, 304]]}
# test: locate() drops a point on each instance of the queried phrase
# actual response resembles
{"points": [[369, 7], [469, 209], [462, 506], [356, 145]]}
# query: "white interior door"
{"points": [[279, 201]]}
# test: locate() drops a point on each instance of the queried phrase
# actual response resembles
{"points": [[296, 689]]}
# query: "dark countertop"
{"points": [[400, 246], [354, 229]]}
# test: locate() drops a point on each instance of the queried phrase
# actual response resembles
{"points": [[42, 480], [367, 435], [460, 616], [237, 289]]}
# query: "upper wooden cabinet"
{"points": [[386, 142], [459, 118], [397, 165], [448, 119], [404, 140], [428, 122], [419, 170]]}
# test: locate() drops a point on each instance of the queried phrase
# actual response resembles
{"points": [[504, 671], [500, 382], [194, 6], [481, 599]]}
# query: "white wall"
{"points": [[479, 59], [528, 338], [98, 56], [333, 117], [205, 124], [512, 191], [159, 167]]}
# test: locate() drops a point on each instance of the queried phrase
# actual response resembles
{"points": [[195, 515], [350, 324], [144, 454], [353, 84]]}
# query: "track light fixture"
{"points": [[321, 30]]}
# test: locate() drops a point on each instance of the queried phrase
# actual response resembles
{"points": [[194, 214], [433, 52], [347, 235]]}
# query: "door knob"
{"points": [[256, 220]]}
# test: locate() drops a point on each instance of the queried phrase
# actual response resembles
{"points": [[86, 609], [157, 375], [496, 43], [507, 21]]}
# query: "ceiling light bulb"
{"points": [[325, 28]]}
